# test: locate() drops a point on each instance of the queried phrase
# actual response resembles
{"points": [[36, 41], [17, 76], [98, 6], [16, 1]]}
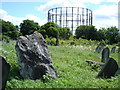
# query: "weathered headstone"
{"points": [[113, 49], [118, 71], [102, 47], [98, 49], [109, 69], [6, 40], [33, 57], [118, 50], [105, 54], [5, 71]]}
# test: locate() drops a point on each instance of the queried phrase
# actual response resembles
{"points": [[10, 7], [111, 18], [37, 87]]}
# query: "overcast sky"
{"points": [[105, 12]]}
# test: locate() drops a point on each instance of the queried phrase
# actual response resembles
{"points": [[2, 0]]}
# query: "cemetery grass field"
{"points": [[69, 61]]}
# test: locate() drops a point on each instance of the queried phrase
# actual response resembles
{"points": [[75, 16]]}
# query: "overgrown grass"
{"points": [[69, 61]]}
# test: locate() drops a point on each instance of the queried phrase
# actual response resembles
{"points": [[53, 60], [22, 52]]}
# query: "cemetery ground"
{"points": [[69, 61]]}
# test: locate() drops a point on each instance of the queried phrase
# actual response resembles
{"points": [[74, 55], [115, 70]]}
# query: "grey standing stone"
{"points": [[109, 69], [33, 57], [113, 49], [5, 72], [105, 54]]}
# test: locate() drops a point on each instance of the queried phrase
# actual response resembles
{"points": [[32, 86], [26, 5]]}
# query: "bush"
{"points": [[86, 32], [9, 30], [65, 33], [51, 41]]}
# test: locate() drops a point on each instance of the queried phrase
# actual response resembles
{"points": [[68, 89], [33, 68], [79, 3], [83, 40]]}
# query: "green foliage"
{"points": [[28, 27], [86, 32], [9, 30], [80, 41], [65, 33], [51, 41], [49, 29], [101, 34], [69, 61], [112, 35]]}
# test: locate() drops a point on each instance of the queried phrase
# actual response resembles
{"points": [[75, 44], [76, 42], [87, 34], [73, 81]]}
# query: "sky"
{"points": [[105, 12]]}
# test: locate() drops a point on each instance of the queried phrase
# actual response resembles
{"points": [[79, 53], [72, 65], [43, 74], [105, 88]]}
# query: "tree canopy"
{"points": [[49, 29], [8, 29], [86, 32], [28, 27], [65, 33], [110, 35]]}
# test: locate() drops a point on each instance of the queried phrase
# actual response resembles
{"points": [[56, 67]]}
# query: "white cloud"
{"points": [[17, 20], [36, 19], [2, 13], [106, 16], [24, 0], [60, 3], [66, 3], [115, 1]]}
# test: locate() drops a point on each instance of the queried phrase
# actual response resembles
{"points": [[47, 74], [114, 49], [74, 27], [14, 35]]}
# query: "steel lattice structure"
{"points": [[71, 17]]}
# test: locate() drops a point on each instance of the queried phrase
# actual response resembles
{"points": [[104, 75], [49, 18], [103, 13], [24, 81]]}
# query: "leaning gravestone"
{"points": [[113, 49], [5, 71], [33, 57], [105, 54], [109, 69]]}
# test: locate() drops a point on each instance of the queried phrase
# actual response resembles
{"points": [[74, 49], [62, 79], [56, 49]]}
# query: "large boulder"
{"points": [[33, 57]]}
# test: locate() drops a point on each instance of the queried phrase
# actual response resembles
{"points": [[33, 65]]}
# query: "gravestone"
{"points": [[119, 50], [102, 47], [6, 40], [105, 55], [33, 57], [118, 71], [98, 49], [113, 49], [109, 69], [5, 71]]}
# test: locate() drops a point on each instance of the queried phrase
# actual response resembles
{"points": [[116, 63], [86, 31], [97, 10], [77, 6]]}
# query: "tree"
{"points": [[86, 32], [50, 29], [8, 29], [101, 34], [112, 35], [28, 27], [65, 33]]}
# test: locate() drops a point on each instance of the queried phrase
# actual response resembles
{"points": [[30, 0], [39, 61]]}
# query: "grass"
{"points": [[69, 61]]}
